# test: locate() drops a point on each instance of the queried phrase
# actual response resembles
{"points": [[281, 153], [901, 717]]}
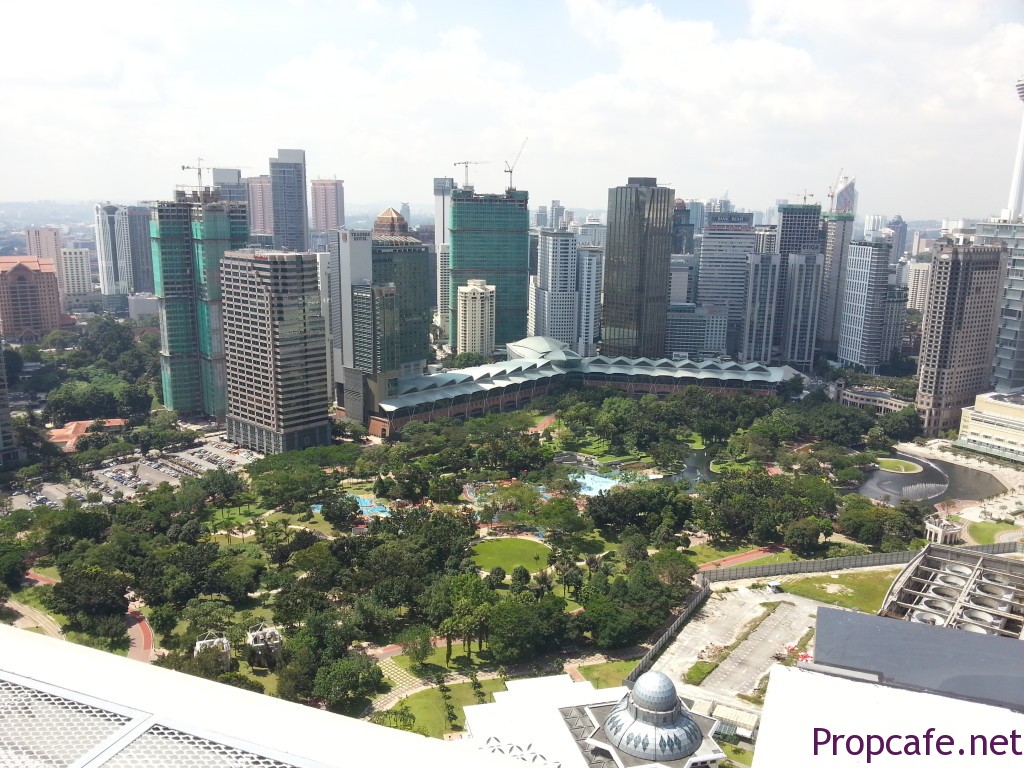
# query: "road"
{"points": [[29, 617]]}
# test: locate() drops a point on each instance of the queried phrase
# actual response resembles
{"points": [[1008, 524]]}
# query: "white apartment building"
{"points": [[475, 313]]}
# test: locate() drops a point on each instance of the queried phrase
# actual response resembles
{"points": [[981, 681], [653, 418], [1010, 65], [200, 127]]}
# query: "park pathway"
{"points": [[743, 557], [29, 618]]}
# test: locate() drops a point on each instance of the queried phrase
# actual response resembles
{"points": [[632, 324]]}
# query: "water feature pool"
{"points": [[939, 480], [592, 485], [370, 506]]}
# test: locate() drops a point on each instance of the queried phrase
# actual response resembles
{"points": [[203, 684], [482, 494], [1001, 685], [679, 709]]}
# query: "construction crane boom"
{"points": [[512, 167], [198, 168], [832, 192], [465, 164], [805, 194]]}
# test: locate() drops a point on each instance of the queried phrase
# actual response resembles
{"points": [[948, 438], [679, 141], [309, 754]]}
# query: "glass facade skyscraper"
{"points": [[636, 267], [288, 199], [489, 240], [189, 237]]}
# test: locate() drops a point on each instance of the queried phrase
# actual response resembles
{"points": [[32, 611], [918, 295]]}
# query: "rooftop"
{"points": [[36, 264], [68, 435]]}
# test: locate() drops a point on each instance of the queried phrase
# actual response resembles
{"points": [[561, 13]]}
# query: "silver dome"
{"points": [[651, 722]]}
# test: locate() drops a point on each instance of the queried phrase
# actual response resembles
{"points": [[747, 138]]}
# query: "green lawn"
{"points": [[316, 524], [609, 674], [985, 533], [601, 450], [428, 706], [434, 663], [49, 572], [899, 465], [509, 553], [696, 441], [233, 517], [745, 465], [705, 553], [738, 754], [780, 557], [862, 591], [699, 672]]}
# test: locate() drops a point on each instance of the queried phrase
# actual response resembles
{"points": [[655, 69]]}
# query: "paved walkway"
{"points": [[31, 618], [743, 557]]}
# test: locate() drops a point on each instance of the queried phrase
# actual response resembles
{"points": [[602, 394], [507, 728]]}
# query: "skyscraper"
{"points": [[682, 228], [917, 285], [477, 317], [837, 234], [798, 232], [721, 281], [489, 241], [189, 237], [229, 185], [76, 266], [637, 261], [328, 203], [803, 291], [540, 218], [274, 351], [1015, 205], [682, 280], [592, 232], [766, 238], [556, 298], [443, 187], [123, 250], [865, 291], [872, 223], [844, 198], [261, 209], [589, 284], [555, 213], [288, 199], [29, 298], [9, 450], [958, 331], [45, 243], [115, 264], [899, 237], [762, 285], [692, 331]]}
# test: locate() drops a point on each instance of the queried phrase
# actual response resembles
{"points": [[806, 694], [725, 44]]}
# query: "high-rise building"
{"points": [[490, 241], [76, 266], [837, 233], [693, 331], [637, 260], [721, 280], [229, 185], [766, 238], [29, 298], [589, 284], [9, 450], [958, 331], [274, 347], [261, 209], [556, 298], [540, 218], [1015, 205], [123, 250], [698, 212], [443, 187], [917, 285], [1008, 360], [682, 278], [323, 277], [844, 196], [405, 211], [556, 213], [894, 329], [476, 312], [804, 274], [682, 228], [872, 223], [45, 243], [328, 199], [592, 232], [762, 285], [865, 291], [189, 237], [288, 199], [899, 237], [799, 231]]}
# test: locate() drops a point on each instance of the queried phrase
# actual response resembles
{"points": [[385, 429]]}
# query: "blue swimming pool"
{"points": [[370, 507], [592, 485]]}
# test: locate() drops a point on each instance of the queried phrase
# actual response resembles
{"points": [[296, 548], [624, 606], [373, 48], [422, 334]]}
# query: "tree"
{"points": [[90, 590], [801, 536], [13, 563], [417, 643], [340, 510], [520, 578], [496, 577], [346, 679], [879, 440], [13, 364], [467, 360]]}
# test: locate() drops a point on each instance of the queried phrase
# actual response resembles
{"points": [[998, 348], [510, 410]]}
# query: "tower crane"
{"points": [[805, 194], [465, 164], [832, 192], [512, 167], [198, 168]]}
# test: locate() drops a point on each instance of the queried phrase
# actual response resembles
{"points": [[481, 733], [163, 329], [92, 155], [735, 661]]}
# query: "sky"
{"points": [[762, 99]]}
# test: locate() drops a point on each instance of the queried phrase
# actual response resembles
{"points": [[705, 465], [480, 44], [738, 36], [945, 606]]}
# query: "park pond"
{"points": [[937, 481]]}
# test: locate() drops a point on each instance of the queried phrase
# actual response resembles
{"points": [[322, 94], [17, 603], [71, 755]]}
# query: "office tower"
{"points": [[328, 200], [45, 243], [115, 264], [555, 214], [556, 298], [899, 237], [1008, 360], [274, 351], [490, 241], [682, 278], [29, 298], [124, 251], [766, 238], [476, 312], [693, 331], [442, 206], [637, 259], [727, 239], [351, 265], [323, 278], [376, 321], [402, 260], [404, 210], [76, 266], [589, 284], [718, 205], [917, 285], [837, 231], [189, 237], [798, 231], [762, 296], [959, 330], [895, 318], [592, 232], [844, 196], [261, 210], [803, 290], [1015, 205], [698, 214], [229, 185], [540, 218], [9, 450], [288, 199], [873, 222], [864, 293], [682, 229]]}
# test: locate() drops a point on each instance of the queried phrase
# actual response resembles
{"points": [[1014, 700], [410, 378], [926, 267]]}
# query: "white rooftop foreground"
{"points": [[800, 700], [66, 705]]}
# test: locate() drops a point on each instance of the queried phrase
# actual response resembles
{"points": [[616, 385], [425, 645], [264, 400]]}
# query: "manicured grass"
{"points": [[705, 553], [862, 591], [265, 677], [745, 465], [779, 557], [699, 672], [985, 533], [509, 553], [696, 441], [601, 450], [899, 465], [738, 754], [233, 517], [609, 674], [434, 663], [49, 572], [316, 524], [428, 706]]}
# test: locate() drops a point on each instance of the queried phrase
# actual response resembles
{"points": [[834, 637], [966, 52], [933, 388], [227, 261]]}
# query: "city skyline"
{"points": [[785, 111]]}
